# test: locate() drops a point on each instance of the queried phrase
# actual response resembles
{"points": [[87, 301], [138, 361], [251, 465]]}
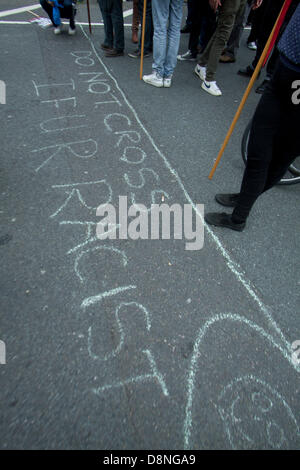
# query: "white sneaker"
{"points": [[72, 31], [200, 71], [212, 88], [58, 30], [252, 46], [187, 56], [154, 79], [167, 82]]}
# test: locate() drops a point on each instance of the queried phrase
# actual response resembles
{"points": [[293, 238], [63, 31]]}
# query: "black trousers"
{"points": [[274, 140], [202, 20], [66, 12], [148, 46]]}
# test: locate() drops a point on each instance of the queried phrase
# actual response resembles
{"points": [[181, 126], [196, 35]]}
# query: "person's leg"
{"points": [[208, 26], [148, 45], [135, 22], [106, 7], [215, 47], [266, 126], [287, 143], [175, 17], [48, 9], [196, 18], [160, 13], [235, 37], [69, 13], [118, 24]]}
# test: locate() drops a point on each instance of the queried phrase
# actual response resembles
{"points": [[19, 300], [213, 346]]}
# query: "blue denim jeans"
{"points": [[167, 15]]}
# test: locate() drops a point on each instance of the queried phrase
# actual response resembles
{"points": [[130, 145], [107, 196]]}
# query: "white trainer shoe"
{"points": [[167, 82], [72, 31], [58, 30], [154, 79], [212, 88], [200, 71]]}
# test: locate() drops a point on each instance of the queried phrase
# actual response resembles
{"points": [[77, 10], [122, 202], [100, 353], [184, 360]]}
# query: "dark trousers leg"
{"points": [[197, 12], [118, 24], [271, 11], [68, 12], [105, 7], [235, 37], [274, 140], [48, 9], [148, 46]]}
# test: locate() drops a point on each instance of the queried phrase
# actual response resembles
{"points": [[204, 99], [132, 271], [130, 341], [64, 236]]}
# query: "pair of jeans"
{"points": [[66, 12], [167, 15], [148, 44], [203, 21], [112, 14], [213, 51], [274, 140]]}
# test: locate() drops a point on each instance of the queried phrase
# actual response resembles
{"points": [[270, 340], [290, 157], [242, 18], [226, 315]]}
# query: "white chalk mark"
{"points": [[118, 115], [129, 135], [99, 297], [88, 239], [63, 22], [98, 248], [56, 102], [114, 100], [195, 358], [140, 172], [237, 422], [118, 349], [61, 129], [231, 264], [68, 146], [154, 376], [76, 192], [52, 85]]}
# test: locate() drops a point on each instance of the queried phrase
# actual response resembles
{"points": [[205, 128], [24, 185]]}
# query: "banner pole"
{"points": [[89, 15]]}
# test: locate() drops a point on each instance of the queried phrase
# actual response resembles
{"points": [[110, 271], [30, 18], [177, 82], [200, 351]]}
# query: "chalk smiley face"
{"points": [[256, 416]]}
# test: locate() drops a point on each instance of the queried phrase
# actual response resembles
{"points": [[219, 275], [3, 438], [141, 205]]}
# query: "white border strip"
{"points": [[19, 10]]}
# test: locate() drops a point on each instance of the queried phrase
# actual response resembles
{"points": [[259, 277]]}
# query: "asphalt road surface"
{"points": [[123, 344]]}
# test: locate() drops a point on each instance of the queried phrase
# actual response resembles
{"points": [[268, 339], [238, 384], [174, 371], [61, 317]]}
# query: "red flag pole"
{"points": [[89, 15]]}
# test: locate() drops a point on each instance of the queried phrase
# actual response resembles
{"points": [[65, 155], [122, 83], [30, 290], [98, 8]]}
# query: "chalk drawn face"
{"points": [[256, 416]]}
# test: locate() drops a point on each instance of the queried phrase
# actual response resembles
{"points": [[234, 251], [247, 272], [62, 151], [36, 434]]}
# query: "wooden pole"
{"points": [[143, 39], [89, 15], [247, 92]]}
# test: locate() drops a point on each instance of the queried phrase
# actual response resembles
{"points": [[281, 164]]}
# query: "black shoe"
{"points": [[247, 72], [185, 29], [105, 47], [114, 53], [227, 200], [223, 220], [261, 88]]}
